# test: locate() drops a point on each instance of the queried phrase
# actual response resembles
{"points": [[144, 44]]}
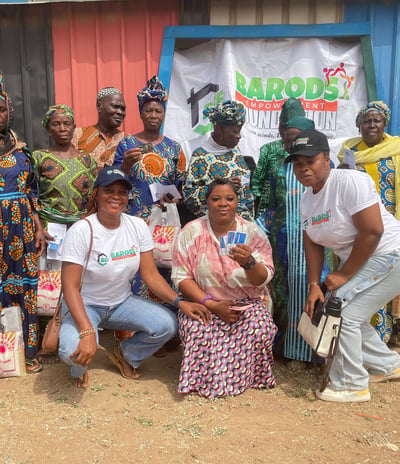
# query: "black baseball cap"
{"points": [[309, 142], [109, 175]]}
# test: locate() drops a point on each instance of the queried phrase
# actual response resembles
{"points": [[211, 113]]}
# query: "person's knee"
{"points": [[65, 350]]}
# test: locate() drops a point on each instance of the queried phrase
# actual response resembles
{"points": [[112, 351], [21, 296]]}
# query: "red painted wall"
{"points": [[113, 43]]}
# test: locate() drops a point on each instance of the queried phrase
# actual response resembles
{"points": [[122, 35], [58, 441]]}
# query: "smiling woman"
{"points": [[120, 246]]}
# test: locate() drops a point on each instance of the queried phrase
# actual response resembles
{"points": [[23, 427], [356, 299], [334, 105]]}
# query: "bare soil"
{"points": [[45, 419]]}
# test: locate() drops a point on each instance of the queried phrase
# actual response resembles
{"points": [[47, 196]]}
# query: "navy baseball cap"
{"points": [[109, 175], [309, 142]]}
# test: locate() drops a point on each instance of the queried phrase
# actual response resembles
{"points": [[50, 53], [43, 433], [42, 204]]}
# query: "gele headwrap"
{"points": [[300, 122], [154, 91], [379, 106], [107, 92], [226, 113], [52, 109], [4, 96], [291, 108]]}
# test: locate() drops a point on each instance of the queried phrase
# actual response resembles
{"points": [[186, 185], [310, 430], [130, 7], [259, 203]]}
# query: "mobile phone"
{"points": [[145, 147], [318, 308], [170, 196]]}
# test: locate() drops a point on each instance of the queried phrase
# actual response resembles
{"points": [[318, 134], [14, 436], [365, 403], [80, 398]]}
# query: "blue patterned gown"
{"points": [[18, 259]]}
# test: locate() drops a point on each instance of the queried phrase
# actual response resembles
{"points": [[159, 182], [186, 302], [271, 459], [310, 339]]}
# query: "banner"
{"points": [[326, 74]]}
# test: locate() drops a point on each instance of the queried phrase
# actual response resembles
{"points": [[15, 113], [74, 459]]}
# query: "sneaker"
{"points": [[383, 378], [344, 396]]}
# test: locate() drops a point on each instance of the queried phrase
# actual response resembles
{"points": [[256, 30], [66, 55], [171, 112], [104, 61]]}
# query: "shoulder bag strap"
{"points": [[58, 310]]}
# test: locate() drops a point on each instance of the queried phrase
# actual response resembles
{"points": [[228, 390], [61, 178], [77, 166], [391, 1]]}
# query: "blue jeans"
{"points": [[360, 348], [152, 323]]}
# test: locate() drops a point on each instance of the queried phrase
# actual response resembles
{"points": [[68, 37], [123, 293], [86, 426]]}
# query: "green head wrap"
{"points": [[52, 109], [291, 108]]}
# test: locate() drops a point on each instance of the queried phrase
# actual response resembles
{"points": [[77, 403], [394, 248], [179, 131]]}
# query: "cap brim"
{"points": [[309, 153], [127, 184]]}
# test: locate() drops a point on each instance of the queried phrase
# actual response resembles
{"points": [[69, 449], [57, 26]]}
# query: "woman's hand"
{"points": [[314, 295], [48, 237], [222, 309], [131, 157], [195, 311], [236, 181], [86, 350], [335, 280], [240, 253], [40, 241]]}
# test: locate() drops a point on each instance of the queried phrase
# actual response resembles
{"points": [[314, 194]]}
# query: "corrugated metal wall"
{"points": [[384, 18], [257, 12], [26, 57], [102, 44]]}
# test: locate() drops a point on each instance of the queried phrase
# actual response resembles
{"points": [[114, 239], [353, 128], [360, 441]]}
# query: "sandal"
{"points": [[126, 370], [33, 366], [81, 382], [48, 358]]}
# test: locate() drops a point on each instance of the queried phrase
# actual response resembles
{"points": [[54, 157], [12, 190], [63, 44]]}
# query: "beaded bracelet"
{"points": [[176, 302], [85, 332], [206, 298]]}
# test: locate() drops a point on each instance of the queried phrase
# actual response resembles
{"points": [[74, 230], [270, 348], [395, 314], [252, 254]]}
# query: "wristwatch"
{"points": [[250, 263]]}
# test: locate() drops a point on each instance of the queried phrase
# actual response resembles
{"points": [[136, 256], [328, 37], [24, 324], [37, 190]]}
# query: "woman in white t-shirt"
{"points": [[121, 246], [342, 211]]}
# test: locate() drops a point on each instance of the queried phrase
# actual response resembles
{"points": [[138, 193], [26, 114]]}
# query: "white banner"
{"points": [[326, 74]]}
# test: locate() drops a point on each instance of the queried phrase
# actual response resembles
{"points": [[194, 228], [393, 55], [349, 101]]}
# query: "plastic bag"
{"points": [[12, 354], [164, 224], [49, 286]]}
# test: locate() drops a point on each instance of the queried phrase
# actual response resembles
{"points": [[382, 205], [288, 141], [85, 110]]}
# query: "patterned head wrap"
{"points": [[51, 111], [107, 92], [300, 122], [291, 108], [227, 113], [7, 100], [379, 106], [154, 91]]}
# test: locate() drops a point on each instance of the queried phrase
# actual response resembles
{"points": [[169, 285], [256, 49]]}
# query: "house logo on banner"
{"points": [[262, 74]]}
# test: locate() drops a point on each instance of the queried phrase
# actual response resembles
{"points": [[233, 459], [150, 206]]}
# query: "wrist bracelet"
{"points": [[206, 298], [176, 302], [250, 263], [312, 284], [85, 332]]}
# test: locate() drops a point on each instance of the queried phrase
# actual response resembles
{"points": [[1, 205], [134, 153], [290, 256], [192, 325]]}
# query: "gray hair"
{"points": [[106, 92]]}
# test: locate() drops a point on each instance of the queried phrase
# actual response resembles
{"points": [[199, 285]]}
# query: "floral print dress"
{"points": [[18, 259]]}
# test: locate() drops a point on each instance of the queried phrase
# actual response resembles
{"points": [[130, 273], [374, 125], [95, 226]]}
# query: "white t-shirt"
{"points": [[114, 259], [326, 215]]}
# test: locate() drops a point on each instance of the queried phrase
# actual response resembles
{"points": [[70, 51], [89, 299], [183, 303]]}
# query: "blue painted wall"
{"points": [[384, 19]]}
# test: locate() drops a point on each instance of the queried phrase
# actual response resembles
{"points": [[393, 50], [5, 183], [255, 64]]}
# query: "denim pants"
{"points": [[152, 323], [360, 349]]}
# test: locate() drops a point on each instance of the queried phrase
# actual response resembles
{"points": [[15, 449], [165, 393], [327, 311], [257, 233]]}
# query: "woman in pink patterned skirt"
{"points": [[228, 347]]}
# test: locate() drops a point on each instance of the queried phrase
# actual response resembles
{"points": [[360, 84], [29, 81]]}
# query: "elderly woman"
{"points": [[228, 349], [112, 246], [65, 174], [220, 157], [21, 233], [378, 154], [282, 223], [341, 210], [150, 157]]}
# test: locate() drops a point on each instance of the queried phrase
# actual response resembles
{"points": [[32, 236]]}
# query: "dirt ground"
{"points": [[45, 419]]}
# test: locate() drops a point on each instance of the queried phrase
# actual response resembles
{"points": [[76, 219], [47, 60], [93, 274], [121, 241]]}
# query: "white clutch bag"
{"points": [[322, 333]]}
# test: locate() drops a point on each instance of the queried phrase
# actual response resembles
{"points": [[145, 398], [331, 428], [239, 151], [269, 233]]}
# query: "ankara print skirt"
{"points": [[221, 359]]}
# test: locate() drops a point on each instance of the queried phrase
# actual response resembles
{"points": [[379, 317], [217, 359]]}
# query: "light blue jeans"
{"points": [[360, 348], [152, 323]]}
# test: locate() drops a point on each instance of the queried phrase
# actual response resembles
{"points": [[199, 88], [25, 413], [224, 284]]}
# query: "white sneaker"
{"points": [[344, 396], [395, 375]]}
